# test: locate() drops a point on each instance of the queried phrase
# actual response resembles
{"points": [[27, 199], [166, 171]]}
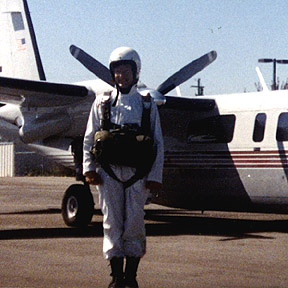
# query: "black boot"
{"points": [[117, 273], [131, 272]]}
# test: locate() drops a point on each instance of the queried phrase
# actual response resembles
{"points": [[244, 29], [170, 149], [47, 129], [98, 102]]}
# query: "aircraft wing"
{"points": [[39, 93]]}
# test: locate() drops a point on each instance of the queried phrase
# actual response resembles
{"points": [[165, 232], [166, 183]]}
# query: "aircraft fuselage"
{"points": [[231, 156]]}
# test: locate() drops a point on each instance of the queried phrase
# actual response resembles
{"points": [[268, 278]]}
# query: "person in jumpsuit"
{"points": [[123, 223]]}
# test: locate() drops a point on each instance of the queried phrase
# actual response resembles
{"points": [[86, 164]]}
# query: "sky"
{"points": [[167, 35]]}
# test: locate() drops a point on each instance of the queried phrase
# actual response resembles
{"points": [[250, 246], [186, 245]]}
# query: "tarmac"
{"points": [[184, 248]]}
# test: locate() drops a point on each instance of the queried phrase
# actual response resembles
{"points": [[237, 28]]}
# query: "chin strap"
{"points": [[116, 98]]}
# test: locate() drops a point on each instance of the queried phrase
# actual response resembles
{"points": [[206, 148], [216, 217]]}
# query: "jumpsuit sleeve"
{"points": [[157, 169], [92, 126]]}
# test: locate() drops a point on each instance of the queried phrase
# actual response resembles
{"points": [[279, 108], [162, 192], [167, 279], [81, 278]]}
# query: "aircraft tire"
{"points": [[77, 206]]}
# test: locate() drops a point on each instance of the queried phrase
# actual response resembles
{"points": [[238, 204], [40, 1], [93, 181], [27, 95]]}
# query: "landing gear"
{"points": [[78, 205]]}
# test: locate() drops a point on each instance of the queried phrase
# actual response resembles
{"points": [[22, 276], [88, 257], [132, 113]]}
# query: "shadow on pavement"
{"points": [[184, 222], [166, 222]]}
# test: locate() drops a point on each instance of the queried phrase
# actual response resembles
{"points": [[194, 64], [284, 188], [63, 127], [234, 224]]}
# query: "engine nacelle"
{"points": [[43, 126]]}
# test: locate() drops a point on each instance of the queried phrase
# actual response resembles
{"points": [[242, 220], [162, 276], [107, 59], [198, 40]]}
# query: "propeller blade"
{"points": [[187, 72], [92, 64]]}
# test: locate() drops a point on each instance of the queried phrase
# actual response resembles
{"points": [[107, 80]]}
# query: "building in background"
{"points": [[15, 160]]}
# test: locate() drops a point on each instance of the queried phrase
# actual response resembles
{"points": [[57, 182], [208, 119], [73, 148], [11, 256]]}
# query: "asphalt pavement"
{"points": [[184, 248]]}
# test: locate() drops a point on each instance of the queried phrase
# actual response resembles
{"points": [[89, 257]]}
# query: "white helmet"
{"points": [[126, 55]]}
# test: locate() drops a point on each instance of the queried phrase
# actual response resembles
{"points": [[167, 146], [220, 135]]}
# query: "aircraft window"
{"points": [[282, 127], [17, 20], [217, 129], [259, 127]]}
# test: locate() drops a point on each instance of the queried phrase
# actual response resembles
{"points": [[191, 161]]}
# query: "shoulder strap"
{"points": [[145, 122]]}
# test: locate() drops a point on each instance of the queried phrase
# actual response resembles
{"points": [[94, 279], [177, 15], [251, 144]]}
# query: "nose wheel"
{"points": [[77, 205]]}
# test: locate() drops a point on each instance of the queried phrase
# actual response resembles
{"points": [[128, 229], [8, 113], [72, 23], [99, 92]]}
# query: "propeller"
{"points": [[172, 82], [186, 72], [92, 64]]}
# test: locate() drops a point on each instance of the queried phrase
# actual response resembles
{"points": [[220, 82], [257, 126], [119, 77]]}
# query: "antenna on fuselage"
{"points": [[261, 79], [178, 91]]}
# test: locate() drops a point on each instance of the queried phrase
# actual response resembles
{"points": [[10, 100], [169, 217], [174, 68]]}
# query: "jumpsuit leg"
{"points": [[123, 224], [134, 235], [111, 198]]}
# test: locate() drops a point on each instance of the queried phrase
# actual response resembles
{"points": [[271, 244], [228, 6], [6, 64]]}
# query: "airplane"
{"points": [[223, 152]]}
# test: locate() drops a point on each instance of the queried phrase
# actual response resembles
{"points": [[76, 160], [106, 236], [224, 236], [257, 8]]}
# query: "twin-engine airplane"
{"points": [[224, 152]]}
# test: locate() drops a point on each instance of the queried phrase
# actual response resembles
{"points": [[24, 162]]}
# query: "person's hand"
{"points": [[153, 185], [93, 178]]}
